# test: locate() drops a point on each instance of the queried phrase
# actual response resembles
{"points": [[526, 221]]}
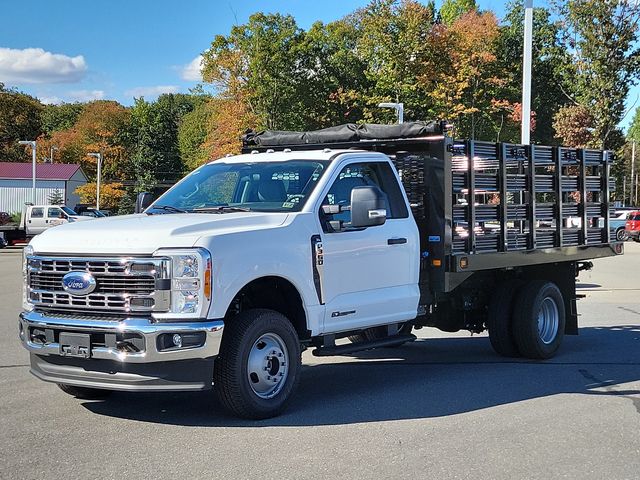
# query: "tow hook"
{"points": [[583, 266]]}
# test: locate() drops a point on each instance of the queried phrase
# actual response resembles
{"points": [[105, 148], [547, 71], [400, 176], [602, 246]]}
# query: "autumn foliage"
{"points": [[110, 194]]}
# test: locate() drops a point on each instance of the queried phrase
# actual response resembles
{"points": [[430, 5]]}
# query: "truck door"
{"points": [[35, 221], [369, 276], [55, 216]]}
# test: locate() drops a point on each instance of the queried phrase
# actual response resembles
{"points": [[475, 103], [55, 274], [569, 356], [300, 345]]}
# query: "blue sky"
{"points": [[82, 50]]}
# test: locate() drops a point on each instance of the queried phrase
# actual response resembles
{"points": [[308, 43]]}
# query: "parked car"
{"points": [[633, 225], [617, 223]]}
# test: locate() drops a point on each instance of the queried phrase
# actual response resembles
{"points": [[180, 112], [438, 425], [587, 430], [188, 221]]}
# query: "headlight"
{"points": [[190, 283], [26, 252]]}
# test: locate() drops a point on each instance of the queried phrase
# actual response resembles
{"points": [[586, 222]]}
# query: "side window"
{"points": [[37, 212], [53, 212], [378, 174]]}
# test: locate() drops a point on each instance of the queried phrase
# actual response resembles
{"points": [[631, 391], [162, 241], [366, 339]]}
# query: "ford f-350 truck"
{"points": [[340, 240]]}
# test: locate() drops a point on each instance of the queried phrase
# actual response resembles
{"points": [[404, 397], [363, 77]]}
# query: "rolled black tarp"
{"points": [[373, 131], [349, 132]]}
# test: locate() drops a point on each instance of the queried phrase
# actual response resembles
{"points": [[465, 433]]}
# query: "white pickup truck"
{"points": [[36, 219], [226, 278]]}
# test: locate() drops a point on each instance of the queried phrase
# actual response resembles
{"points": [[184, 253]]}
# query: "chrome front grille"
{"points": [[123, 285], [91, 301], [139, 284], [63, 265]]}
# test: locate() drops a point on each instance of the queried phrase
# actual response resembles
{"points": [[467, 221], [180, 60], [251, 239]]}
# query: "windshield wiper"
{"points": [[169, 208], [220, 209]]}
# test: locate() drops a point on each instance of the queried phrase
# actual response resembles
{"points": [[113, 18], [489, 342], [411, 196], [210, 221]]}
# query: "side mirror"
{"points": [[368, 207], [143, 201]]}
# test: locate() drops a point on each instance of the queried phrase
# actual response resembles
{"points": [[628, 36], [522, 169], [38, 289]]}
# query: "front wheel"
{"points": [[257, 370], [539, 320], [84, 393]]}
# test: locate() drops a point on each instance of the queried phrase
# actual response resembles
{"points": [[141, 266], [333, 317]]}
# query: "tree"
{"points": [[602, 36], [397, 42], [153, 137], [20, 119], [452, 10], [466, 80], [192, 135], [548, 85], [60, 117], [573, 125], [256, 61], [110, 194], [634, 128], [102, 126], [286, 78], [56, 198]]}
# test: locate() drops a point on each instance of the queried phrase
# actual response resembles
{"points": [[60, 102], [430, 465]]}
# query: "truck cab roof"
{"points": [[284, 155]]}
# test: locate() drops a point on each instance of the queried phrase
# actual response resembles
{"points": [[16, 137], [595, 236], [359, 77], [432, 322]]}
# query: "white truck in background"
{"points": [[359, 232], [35, 219]]}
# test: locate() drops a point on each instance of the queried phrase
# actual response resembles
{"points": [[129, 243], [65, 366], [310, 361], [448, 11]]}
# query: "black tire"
{"points": [[377, 333], [231, 377], [622, 235], [500, 319], [85, 393], [529, 303]]}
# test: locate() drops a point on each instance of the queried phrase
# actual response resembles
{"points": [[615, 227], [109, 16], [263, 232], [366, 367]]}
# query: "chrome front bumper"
{"points": [[115, 368], [143, 327]]}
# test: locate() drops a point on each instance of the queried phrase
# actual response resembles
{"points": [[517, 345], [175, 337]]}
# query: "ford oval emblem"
{"points": [[78, 283]]}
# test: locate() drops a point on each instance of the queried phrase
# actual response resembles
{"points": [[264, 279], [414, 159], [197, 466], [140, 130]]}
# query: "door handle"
{"points": [[396, 241]]}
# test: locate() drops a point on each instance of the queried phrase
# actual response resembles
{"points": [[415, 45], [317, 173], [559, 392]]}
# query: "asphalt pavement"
{"points": [[442, 407]]}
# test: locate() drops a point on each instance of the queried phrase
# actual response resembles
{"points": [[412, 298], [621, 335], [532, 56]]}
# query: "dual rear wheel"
{"points": [[527, 319]]}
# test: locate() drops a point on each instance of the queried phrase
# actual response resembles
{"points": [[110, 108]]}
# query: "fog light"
{"points": [[176, 341]]}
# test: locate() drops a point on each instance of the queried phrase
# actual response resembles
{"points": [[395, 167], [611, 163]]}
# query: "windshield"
{"points": [[261, 186], [68, 211]]}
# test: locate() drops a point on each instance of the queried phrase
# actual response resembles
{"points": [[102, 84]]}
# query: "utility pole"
{"points": [[32, 144], [52, 149], [525, 129], [98, 157], [633, 192]]}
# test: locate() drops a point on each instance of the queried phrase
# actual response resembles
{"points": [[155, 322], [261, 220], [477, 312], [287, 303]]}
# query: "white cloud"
{"points": [[151, 92], [35, 65], [86, 95], [192, 72], [53, 100]]}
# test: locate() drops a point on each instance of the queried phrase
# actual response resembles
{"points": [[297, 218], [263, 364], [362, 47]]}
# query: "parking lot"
{"points": [[444, 406]]}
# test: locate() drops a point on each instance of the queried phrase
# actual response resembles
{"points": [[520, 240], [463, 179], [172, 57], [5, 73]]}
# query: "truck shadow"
{"points": [[425, 379]]}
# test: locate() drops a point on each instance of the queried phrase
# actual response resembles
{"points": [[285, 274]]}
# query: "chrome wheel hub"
{"points": [[268, 365], [548, 321]]}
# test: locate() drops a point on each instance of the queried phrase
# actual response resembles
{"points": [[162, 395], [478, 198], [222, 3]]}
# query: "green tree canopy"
{"points": [[602, 37], [451, 10], [20, 119], [60, 117]]}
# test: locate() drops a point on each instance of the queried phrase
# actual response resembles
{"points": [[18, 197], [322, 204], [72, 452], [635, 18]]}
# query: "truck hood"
{"points": [[143, 234]]}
